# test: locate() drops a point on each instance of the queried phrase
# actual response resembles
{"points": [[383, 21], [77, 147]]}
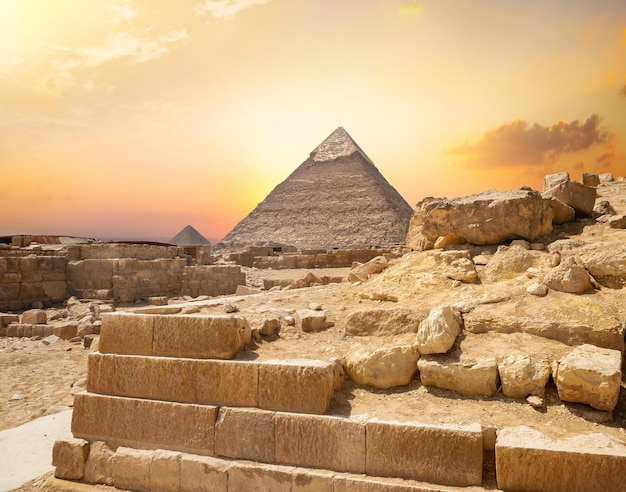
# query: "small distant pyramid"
{"points": [[336, 198], [189, 237]]}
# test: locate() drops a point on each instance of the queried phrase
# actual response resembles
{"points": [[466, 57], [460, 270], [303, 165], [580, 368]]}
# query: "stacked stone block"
{"points": [[212, 280], [166, 408]]}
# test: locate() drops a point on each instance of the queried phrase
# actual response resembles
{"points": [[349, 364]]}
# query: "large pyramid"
{"points": [[189, 237], [336, 198]]}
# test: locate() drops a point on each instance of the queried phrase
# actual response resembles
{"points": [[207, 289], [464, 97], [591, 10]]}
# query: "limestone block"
{"points": [[561, 212], [305, 480], [325, 442], [5, 319], [55, 290], [101, 376], [437, 333], [353, 483], [591, 179], [66, 330], [362, 272], [606, 261], [552, 180], [198, 336], [233, 383], [245, 434], [296, 385], [310, 320], [490, 217], [246, 477], [591, 375], [568, 276], [523, 375], [131, 469], [455, 265], [124, 333], [178, 426], [155, 378], [446, 454], [528, 460], [69, 457], [573, 320], [98, 468], [511, 261], [203, 474], [474, 378], [34, 317], [382, 322], [578, 196], [383, 368], [165, 471]]}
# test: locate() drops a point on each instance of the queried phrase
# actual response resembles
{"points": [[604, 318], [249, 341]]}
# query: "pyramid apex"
{"points": [[338, 144]]}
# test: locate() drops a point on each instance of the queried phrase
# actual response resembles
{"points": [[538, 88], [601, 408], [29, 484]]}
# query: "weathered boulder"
{"points": [[455, 265], [606, 177], [606, 262], [511, 261], [603, 207], [383, 368], [573, 320], [485, 218], [34, 317], [363, 271], [552, 180], [522, 375], [437, 333], [382, 322], [569, 276], [617, 222], [310, 320], [537, 289], [561, 212], [69, 457], [578, 196], [591, 375], [474, 378], [591, 179]]}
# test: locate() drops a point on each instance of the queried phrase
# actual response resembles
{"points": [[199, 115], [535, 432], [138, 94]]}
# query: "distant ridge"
{"points": [[336, 198], [189, 237]]}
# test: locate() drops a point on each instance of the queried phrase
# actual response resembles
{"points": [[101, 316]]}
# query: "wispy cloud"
{"points": [[122, 12], [521, 144], [126, 46], [225, 9]]}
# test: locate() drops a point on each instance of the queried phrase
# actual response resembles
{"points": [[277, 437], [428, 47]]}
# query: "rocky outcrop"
{"points": [[576, 195], [485, 218], [569, 276], [511, 261], [606, 262]]}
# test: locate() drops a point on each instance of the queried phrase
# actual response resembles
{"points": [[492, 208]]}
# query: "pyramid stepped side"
{"points": [[189, 237], [336, 198]]}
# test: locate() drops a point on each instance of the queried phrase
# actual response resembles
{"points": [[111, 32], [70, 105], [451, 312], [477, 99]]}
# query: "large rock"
{"points": [[526, 459], [485, 218], [561, 211], [361, 272], [383, 368], [455, 265], [473, 378], [437, 333], [522, 375], [511, 261], [34, 317], [606, 262], [382, 322], [569, 277], [578, 196], [573, 320], [590, 375]]}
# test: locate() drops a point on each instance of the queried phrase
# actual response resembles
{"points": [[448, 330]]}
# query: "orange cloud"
{"points": [[521, 144]]}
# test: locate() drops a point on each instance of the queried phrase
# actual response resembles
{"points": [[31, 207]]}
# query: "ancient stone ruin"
{"points": [[337, 198]]}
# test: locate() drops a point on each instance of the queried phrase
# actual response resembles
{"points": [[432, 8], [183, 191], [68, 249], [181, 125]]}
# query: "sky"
{"points": [[129, 119]]}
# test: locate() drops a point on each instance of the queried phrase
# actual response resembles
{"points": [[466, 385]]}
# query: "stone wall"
{"points": [[122, 250], [311, 259], [26, 280], [211, 280]]}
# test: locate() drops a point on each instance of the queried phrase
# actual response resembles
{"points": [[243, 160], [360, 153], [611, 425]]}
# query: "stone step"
{"points": [[196, 336], [290, 385], [444, 454]]}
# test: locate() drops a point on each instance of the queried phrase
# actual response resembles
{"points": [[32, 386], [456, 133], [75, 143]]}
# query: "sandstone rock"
{"points": [[510, 261], [383, 368], [164, 471], [568, 276], [455, 265], [98, 465], [561, 211], [523, 375], [364, 271], [552, 180], [69, 457], [486, 218], [606, 178], [590, 375], [537, 289], [617, 222], [269, 326], [603, 207], [606, 262], [573, 320], [243, 290], [249, 476], [245, 433], [591, 179], [474, 378], [528, 460], [34, 317], [437, 333], [131, 469], [157, 300], [578, 196], [312, 320], [203, 474], [382, 322]]}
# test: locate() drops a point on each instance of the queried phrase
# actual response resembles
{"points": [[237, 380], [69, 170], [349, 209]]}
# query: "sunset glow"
{"points": [[126, 119]]}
